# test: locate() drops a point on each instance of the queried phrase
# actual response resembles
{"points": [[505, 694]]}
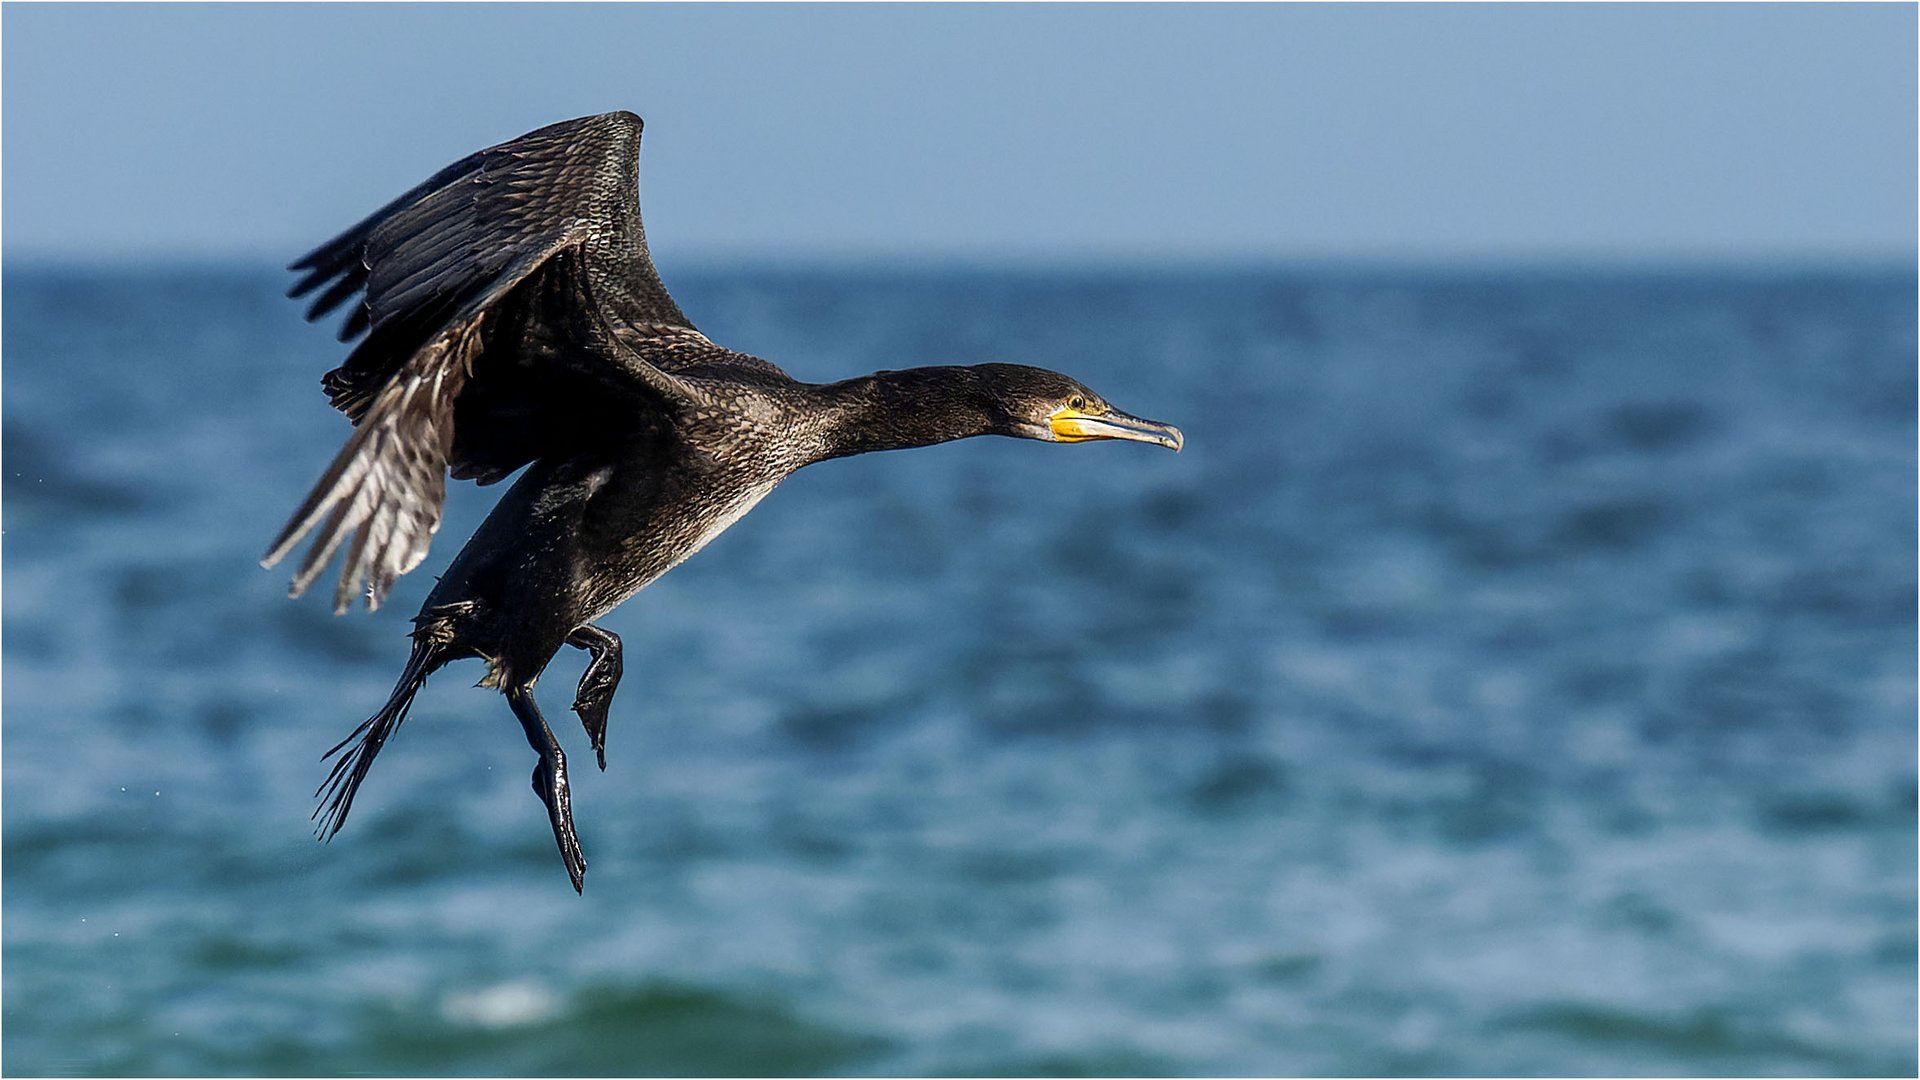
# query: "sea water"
{"points": [[1514, 675]]}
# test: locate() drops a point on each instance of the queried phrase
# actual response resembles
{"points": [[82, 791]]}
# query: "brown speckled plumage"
{"points": [[513, 318]]}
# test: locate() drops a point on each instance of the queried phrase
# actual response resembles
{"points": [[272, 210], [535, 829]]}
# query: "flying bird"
{"points": [[512, 319]]}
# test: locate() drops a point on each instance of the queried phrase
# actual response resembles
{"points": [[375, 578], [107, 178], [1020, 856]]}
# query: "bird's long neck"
{"points": [[898, 410]]}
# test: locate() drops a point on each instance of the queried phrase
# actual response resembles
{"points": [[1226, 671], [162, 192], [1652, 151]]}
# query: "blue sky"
{"points": [[1003, 132]]}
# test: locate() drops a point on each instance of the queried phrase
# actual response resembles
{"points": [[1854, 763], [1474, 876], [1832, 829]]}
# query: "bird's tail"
{"points": [[336, 794]]}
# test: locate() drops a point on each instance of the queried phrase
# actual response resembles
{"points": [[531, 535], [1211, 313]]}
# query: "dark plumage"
{"points": [[513, 318]]}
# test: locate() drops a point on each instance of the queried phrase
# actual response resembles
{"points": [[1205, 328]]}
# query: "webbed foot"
{"points": [[597, 684], [550, 781]]}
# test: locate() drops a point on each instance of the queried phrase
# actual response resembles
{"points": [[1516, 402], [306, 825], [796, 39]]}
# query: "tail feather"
{"points": [[336, 794]]}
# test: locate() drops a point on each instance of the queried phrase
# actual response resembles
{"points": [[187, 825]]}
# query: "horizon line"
{"points": [[1133, 262]]}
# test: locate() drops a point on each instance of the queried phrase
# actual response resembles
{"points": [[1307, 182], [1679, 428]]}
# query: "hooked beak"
{"points": [[1072, 425]]}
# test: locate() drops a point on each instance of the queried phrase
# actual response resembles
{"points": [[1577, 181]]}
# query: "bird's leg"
{"points": [[597, 685], [550, 780]]}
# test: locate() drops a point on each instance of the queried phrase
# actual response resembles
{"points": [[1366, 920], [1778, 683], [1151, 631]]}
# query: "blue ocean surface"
{"points": [[1514, 675]]}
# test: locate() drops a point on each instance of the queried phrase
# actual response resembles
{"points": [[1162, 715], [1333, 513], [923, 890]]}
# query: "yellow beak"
{"points": [[1073, 425]]}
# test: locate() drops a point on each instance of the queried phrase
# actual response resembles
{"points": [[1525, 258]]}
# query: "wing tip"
{"points": [[281, 545]]}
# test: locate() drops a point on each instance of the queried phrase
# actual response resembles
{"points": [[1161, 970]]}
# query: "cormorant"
{"points": [[513, 318]]}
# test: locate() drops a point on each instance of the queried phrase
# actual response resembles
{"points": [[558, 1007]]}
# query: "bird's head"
{"points": [[1034, 403]]}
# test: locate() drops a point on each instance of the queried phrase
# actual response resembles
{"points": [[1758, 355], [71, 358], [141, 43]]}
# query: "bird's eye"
{"points": [[1076, 403]]}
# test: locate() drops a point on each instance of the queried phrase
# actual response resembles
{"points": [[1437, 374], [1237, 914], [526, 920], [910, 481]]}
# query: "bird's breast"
{"points": [[731, 508], [673, 532]]}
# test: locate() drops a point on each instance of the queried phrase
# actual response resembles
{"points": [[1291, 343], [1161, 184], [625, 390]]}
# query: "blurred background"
{"points": [[1514, 675]]}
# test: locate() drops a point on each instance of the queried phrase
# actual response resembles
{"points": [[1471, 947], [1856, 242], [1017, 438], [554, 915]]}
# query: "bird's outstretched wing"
{"points": [[535, 240]]}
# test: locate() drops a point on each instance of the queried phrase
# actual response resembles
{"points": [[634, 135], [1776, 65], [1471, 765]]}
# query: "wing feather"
{"points": [[387, 484], [430, 267], [471, 220]]}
